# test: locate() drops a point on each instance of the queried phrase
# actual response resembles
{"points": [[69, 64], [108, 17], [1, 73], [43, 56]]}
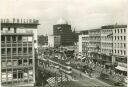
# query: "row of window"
{"points": [[106, 51], [120, 45], [17, 74], [5, 51], [106, 45], [120, 30], [20, 62], [120, 52], [106, 31], [8, 29], [106, 38], [119, 37], [15, 39]]}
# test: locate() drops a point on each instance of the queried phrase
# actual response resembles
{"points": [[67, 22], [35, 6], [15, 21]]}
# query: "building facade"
{"points": [[18, 41], [107, 45], [120, 46], [95, 44], [84, 44], [63, 29], [54, 41]]}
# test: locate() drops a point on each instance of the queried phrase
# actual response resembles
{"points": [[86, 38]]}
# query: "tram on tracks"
{"points": [[63, 68]]}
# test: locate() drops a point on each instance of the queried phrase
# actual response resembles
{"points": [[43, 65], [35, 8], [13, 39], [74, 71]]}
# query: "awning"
{"points": [[121, 68]]}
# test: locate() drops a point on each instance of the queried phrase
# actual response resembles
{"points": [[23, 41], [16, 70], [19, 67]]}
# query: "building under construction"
{"points": [[18, 41]]}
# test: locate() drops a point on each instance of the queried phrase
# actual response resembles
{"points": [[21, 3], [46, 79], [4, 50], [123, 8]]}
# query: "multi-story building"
{"points": [[18, 41], [107, 45], [95, 44], [63, 29], [54, 41], [120, 46], [84, 43]]}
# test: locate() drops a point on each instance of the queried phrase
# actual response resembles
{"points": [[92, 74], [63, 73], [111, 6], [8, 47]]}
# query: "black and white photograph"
{"points": [[63, 43]]}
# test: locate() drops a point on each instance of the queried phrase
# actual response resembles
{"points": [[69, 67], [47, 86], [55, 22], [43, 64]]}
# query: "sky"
{"points": [[81, 14]]}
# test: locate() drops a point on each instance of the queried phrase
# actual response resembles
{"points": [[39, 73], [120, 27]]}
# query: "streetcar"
{"points": [[63, 68]]}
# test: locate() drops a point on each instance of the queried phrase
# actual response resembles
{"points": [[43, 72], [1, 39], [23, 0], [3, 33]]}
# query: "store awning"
{"points": [[121, 68]]}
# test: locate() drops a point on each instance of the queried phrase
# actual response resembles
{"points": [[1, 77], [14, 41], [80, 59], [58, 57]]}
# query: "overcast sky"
{"points": [[81, 14]]}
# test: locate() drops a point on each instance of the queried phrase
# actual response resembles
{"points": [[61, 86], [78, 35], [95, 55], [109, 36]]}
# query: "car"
{"points": [[118, 84]]}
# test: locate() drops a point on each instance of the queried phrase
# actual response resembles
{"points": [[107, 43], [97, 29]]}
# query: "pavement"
{"points": [[85, 80]]}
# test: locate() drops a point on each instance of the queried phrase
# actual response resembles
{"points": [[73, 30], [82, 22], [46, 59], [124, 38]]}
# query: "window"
{"points": [[124, 45], [20, 74], [30, 49], [15, 63], [20, 62], [8, 28], [4, 63], [14, 30], [14, 38], [8, 51], [14, 50], [121, 30], [115, 37], [118, 31], [8, 39], [124, 52], [115, 44], [121, 45], [25, 61], [124, 30], [3, 51], [115, 51], [118, 37], [25, 50], [9, 63], [3, 38], [121, 37], [24, 38], [124, 37], [19, 50], [30, 61], [118, 45], [118, 51], [121, 52], [19, 38], [14, 75], [115, 30]]}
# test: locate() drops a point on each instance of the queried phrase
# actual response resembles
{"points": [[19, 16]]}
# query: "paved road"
{"points": [[85, 80]]}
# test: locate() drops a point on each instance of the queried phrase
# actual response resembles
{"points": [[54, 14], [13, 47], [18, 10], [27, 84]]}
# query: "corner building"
{"points": [[18, 41]]}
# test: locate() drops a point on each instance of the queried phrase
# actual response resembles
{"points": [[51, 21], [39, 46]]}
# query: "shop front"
{"points": [[121, 68]]}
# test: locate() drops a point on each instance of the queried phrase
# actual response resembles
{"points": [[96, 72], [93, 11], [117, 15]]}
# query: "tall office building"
{"points": [[18, 41], [63, 29]]}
